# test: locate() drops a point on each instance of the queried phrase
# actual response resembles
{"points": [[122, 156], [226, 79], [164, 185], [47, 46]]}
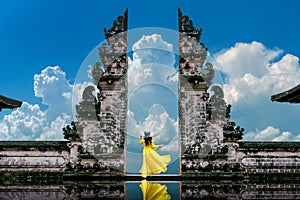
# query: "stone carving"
{"points": [[209, 141], [193, 96], [191, 53], [95, 152], [217, 106], [203, 121], [112, 84], [208, 73], [192, 120], [232, 133], [113, 53], [97, 72], [102, 115], [186, 26], [193, 83], [119, 26], [32, 161], [270, 162], [87, 167], [88, 108], [71, 133]]}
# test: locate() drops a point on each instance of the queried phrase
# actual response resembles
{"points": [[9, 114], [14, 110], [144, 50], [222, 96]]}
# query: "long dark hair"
{"points": [[148, 140]]}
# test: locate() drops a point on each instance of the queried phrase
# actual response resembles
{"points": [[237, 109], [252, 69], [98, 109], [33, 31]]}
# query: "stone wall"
{"points": [[269, 157], [96, 143], [34, 156]]}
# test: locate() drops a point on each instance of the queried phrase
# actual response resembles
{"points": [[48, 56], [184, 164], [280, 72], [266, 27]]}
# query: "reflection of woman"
{"points": [[153, 163], [154, 191]]}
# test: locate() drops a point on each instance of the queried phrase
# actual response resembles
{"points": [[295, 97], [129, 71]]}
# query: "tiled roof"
{"points": [[6, 102], [292, 95]]}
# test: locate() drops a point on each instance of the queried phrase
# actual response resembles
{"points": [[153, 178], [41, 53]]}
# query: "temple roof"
{"points": [[6, 102], [292, 95]]}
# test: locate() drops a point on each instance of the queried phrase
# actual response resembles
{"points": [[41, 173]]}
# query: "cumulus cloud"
{"points": [[269, 134], [163, 129], [297, 137], [153, 61], [152, 73], [254, 73], [152, 82], [283, 137], [24, 123], [51, 85], [246, 58], [30, 122], [153, 41]]}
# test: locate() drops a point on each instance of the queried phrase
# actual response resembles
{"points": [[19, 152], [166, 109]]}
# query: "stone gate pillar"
{"points": [[192, 92], [102, 119], [201, 117], [112, 85]]}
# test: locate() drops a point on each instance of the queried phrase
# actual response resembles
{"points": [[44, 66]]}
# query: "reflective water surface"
{"points": [[148, 189]]}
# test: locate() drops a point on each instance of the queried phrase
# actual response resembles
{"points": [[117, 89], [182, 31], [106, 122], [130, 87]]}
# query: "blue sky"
{"points": [[254, 44], [35, 34]]}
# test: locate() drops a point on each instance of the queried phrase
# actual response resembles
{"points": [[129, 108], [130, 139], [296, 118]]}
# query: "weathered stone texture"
{"points": [[209, 142], [33, 156]]}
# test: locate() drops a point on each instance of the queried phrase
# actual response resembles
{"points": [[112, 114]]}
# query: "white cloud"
{"points": [[164, 130], [246, 58], [51, 85], [152, 73], [29, 122], [253, 74], [153, 61], [152, 49], [152, 82], [24, 123], [284, 136], [297, 137], [158, 122], [54, 129], [153, 41], [270, 134], [267, 134], [67, 95], [48, 78]]}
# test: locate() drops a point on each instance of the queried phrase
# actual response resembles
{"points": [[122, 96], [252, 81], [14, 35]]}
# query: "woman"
{"points": [[153, 163], [153, 191]]}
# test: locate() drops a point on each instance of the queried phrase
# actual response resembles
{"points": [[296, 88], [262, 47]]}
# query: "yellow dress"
{"points": [[154, 191], [153, 163]]}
